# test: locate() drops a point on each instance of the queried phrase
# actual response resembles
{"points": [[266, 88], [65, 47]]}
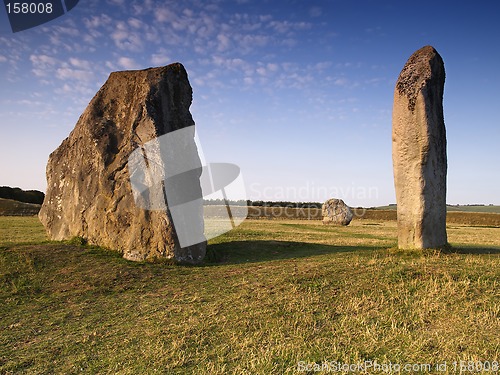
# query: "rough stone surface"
{"points": [[419, 151], [336, 212], [88, 189]]}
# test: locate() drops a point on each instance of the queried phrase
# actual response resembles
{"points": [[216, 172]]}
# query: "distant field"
{"points": [[314, 214], [9, 207], [273, 294], [488, 209]]}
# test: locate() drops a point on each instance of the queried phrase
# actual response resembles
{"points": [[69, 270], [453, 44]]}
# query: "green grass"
{"points": [[21, 229], [274, 293]]}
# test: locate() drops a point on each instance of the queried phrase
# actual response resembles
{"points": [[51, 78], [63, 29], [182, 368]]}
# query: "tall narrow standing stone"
{"points": [[419, 151]]}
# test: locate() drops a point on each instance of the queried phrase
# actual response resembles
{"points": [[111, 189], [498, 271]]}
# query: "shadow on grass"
{"points": [[237, 252], [472, 250]]}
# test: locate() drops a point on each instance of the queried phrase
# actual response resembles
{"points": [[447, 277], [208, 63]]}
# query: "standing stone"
{"points": [[419, 151], [336, 212], [89, 193]]}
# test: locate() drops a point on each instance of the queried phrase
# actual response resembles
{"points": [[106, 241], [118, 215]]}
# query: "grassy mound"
{"points": [[9, 207]]}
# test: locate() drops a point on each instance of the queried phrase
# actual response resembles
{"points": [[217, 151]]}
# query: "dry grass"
{"points": [[276, 293]]}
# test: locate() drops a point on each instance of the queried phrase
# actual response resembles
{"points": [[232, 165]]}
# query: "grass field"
{"points": [[471, 208], [491, 209], [273, 294], [9, 207]]}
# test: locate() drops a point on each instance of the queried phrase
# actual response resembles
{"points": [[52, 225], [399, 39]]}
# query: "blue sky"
{"points": [[297, 93]]}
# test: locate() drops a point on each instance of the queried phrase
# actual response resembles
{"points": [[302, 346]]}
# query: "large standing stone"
{"points": [[336, 212], [89, 192], [419, 151]]}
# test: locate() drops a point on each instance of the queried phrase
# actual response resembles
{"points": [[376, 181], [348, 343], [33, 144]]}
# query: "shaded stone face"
{"points": [[419, 151], [89, 193], [336, 212]]}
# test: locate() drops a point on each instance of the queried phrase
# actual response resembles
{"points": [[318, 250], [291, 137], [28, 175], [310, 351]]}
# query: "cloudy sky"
{"points": [[297, 93]]}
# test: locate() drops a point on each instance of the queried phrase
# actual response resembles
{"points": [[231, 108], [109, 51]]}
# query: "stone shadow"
{"points": [[255, 251], [472, 250], [238, 252]]}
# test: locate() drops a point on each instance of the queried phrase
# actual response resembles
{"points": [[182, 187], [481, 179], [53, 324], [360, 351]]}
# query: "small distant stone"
{"points": [[336, 212]]}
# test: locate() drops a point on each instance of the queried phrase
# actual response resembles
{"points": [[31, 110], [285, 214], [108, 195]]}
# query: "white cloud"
{"points": [[266, 70], [247, 43], [152, 35], [135, 23], [160, 59], [322, 65], [230, 43], [80, 63], [280, 26], [343, 82], [128, 63], [298, 79], [224, 42], [111, 66], [119, 36], [2, 59], [237, 64], [24, 102], [272, 67], [126, 39], [71, 31], [209, 79], [96, 22], [74, 74], [208, 25], [246, 22], [287, 26], [43, 60], [145, 7], [265, 18], [237, 71], [375, 80], [78, 90], [248, 81], [165, 15], [199, 82], [261, 71], [43, 65], [289, 67]]}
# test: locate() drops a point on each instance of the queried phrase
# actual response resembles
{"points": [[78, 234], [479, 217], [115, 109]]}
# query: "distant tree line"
{"points": [[286, 204], [17, 194], [221, 202], [470, 205]]}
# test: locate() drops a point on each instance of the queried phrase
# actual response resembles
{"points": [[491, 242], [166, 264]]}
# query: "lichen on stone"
{"points": [[416, 74]]}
